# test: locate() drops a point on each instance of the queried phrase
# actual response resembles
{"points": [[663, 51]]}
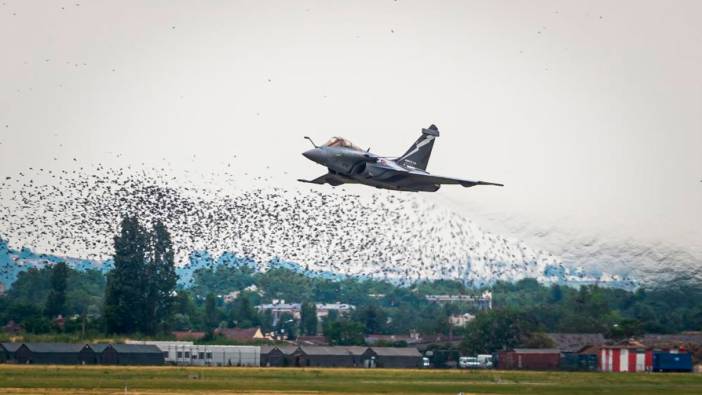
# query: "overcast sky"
{"points": [[589, 112]]}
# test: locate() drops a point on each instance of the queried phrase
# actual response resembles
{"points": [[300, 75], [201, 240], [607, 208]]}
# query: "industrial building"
{"points": [[358, 355], [7, 351], [127, 354], [4, 354], [10, 350], [277, 355], [54, 354], [391, 357], [81, 354], [161, 344], [341, 356], [529, 359], [102, 357], [137, 354], [333, 357], [186, 353], [629, 356], [633, 356]]}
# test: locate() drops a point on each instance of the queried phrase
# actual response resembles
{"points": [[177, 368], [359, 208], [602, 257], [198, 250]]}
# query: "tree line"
{"points": [[141, 296]]}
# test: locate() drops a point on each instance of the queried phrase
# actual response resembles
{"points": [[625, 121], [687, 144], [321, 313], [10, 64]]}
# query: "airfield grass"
{"points": [[35, 379]]}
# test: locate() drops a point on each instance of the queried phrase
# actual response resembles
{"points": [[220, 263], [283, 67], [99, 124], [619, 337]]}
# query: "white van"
{"points": [[468, 363], [485, 361]]}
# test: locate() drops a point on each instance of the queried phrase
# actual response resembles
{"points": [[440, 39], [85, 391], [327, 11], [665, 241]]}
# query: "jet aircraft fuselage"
{"points": [[349, 164]]}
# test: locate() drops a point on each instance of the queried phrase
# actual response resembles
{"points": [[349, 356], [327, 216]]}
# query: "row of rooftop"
{"points": [[187, 353], [627, 356], [81, 354]]}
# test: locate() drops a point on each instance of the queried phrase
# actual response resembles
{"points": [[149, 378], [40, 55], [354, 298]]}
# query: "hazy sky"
{"points": [[589, 112]]}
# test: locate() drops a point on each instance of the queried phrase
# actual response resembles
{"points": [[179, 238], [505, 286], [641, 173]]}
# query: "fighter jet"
{"points": [[348, 164]]}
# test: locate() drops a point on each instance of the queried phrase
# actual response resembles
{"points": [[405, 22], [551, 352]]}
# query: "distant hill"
{"points": [[13, 261]]}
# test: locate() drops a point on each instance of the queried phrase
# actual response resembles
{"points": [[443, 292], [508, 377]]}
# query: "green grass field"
{"points": [[22, 379]]}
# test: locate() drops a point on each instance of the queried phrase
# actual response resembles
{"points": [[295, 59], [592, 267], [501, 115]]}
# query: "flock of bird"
{"points": [[393, 236]]}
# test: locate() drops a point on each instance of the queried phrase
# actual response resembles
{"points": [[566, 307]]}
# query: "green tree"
{"points": [[56, 301], [371, 317], [86, 291], [285, 284], [497, 330], [211, 313], [244, 314], [125, 301], [183, 303], [344, 333], [308, 323], [625, 329], [161, 278], [37, 324], [537, 340], [31, 286], [185, 313]]}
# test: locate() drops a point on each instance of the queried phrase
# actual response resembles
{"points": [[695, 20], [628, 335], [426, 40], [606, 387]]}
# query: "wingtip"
{"points": [[491, 183]]}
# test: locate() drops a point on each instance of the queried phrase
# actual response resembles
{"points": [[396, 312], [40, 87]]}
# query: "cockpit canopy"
{"points": [[341, 142]]}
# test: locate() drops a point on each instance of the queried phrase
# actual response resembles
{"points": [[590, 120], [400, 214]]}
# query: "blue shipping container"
{"points": [[669, 362]]}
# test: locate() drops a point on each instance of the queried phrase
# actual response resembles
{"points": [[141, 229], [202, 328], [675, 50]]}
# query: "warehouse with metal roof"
{"points": [[55, 354], [392, 357]]}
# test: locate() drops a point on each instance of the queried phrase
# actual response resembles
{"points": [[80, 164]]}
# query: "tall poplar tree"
{"points": [[125, 307], [162, 278]]}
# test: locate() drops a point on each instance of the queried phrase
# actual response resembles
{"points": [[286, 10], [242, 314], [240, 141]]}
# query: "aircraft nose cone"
{"points": [[314, 155]]}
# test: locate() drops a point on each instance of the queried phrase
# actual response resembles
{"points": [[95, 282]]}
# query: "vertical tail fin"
{"points": [[417, 156]]}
